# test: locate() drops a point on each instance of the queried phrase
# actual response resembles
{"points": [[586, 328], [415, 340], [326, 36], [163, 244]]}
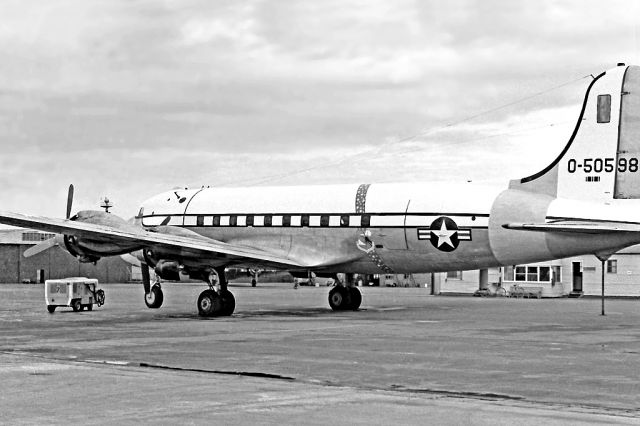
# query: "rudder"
{"points": [[596, 162]]}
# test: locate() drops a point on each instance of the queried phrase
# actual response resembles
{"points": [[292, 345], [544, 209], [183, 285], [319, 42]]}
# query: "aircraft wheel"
{"points": [[339, 298], [209, 304], [356, 298], [154, 298], [76, 305], [228, 303], [51, 308]]}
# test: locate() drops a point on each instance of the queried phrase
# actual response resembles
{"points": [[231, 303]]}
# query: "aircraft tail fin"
{"points": [[601, 160]]}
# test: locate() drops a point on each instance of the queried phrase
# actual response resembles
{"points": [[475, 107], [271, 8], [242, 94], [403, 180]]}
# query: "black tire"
{"points": [[76, 305], [51, 308], [356, 298], [100, 297], [339, 299], [228, 303], [154, 298], [209, 304]]}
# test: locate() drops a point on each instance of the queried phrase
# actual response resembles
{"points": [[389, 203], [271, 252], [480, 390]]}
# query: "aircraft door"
{"points": [[389, 231]]}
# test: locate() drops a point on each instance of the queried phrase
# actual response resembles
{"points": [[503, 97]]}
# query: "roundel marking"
{"points": [[444, 234]]}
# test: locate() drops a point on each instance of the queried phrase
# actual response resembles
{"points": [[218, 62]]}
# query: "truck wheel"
{"points": [[51, 308], [76, 305]]}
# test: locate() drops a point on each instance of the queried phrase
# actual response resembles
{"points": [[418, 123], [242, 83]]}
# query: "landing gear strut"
{"points": [[344, 296], [217, 300], [153, 296]]}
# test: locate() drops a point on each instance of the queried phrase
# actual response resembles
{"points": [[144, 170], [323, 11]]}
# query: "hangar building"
{"points": [[53, 263]]}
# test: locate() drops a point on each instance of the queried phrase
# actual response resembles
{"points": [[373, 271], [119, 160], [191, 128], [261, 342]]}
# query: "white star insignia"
{"points": [[444, 235]]}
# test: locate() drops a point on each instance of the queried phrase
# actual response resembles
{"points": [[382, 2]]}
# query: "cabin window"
{"points": [[250, 220], [344, 220], [612, 266], [324, 220], [200, 221], [286, 220], [216, 220], [268, 220], [233, 220], [365, 221], [304, 220], [604, 108]]}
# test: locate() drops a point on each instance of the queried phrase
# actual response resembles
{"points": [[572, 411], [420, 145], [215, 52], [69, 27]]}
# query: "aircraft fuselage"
{"points": [[405, 228]]}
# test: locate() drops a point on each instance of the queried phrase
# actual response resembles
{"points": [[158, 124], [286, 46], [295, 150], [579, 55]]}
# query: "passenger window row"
{"points": [[286, 220]]}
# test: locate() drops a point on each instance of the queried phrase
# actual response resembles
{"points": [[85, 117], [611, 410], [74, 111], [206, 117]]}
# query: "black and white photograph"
{"points": [[320, 212]]}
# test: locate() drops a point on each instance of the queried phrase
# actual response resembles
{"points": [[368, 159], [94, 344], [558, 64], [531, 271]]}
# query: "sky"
{"points": [[126, 99]]}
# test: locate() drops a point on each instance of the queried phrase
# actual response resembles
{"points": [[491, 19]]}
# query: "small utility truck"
{"points": [[77, 293]]}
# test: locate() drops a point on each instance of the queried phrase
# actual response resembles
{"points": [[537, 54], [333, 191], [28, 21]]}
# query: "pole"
{"points": [[602, 298]]}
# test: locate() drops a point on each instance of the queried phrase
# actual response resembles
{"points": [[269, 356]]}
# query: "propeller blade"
{"points": [[40, 247], [69, 201]]}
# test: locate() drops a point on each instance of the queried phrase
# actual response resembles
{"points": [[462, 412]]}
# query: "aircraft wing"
{"points": [[576, 226], [133, 235]]}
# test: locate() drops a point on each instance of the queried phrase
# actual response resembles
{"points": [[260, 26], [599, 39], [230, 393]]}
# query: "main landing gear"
{"points": [[217, 300], [345, 296], [153, 296]]}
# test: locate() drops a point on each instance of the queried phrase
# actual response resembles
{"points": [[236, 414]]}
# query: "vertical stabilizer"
{"points": [[592, 166]]}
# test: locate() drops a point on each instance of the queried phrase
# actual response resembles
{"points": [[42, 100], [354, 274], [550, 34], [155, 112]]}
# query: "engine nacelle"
{"points": [[168, 270], [83, 254], [90, 251]]}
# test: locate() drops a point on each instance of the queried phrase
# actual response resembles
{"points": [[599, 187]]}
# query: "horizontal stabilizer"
{"points": [[576, 226]]}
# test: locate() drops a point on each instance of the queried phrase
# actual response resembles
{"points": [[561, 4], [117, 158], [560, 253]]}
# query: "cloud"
{"points": [[128, 98]]}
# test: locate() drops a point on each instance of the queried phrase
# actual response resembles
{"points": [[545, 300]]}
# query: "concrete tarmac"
{"points": [[285, 357]]}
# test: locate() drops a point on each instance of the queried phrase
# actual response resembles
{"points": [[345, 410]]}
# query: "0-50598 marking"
{"points": [[607, 165]]}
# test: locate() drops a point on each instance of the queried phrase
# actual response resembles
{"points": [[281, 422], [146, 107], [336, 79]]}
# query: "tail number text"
{"points": [[607, 165]]}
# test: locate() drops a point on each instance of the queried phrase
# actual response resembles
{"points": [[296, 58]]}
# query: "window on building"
{"points": [[268, 220], [612, 266], [365, 221], [36, 236], [250, 220], [216, 220], [304, 220], [604, 108], [508, 273], [456, 275], [233, 220], [521, 273], [286, 220], [528, 273], [344, 220], [200, 221], [545, 273], [324, 220]]}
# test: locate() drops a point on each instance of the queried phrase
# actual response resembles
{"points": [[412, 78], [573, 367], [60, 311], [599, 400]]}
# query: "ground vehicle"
{"points": [[76, 292]]}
